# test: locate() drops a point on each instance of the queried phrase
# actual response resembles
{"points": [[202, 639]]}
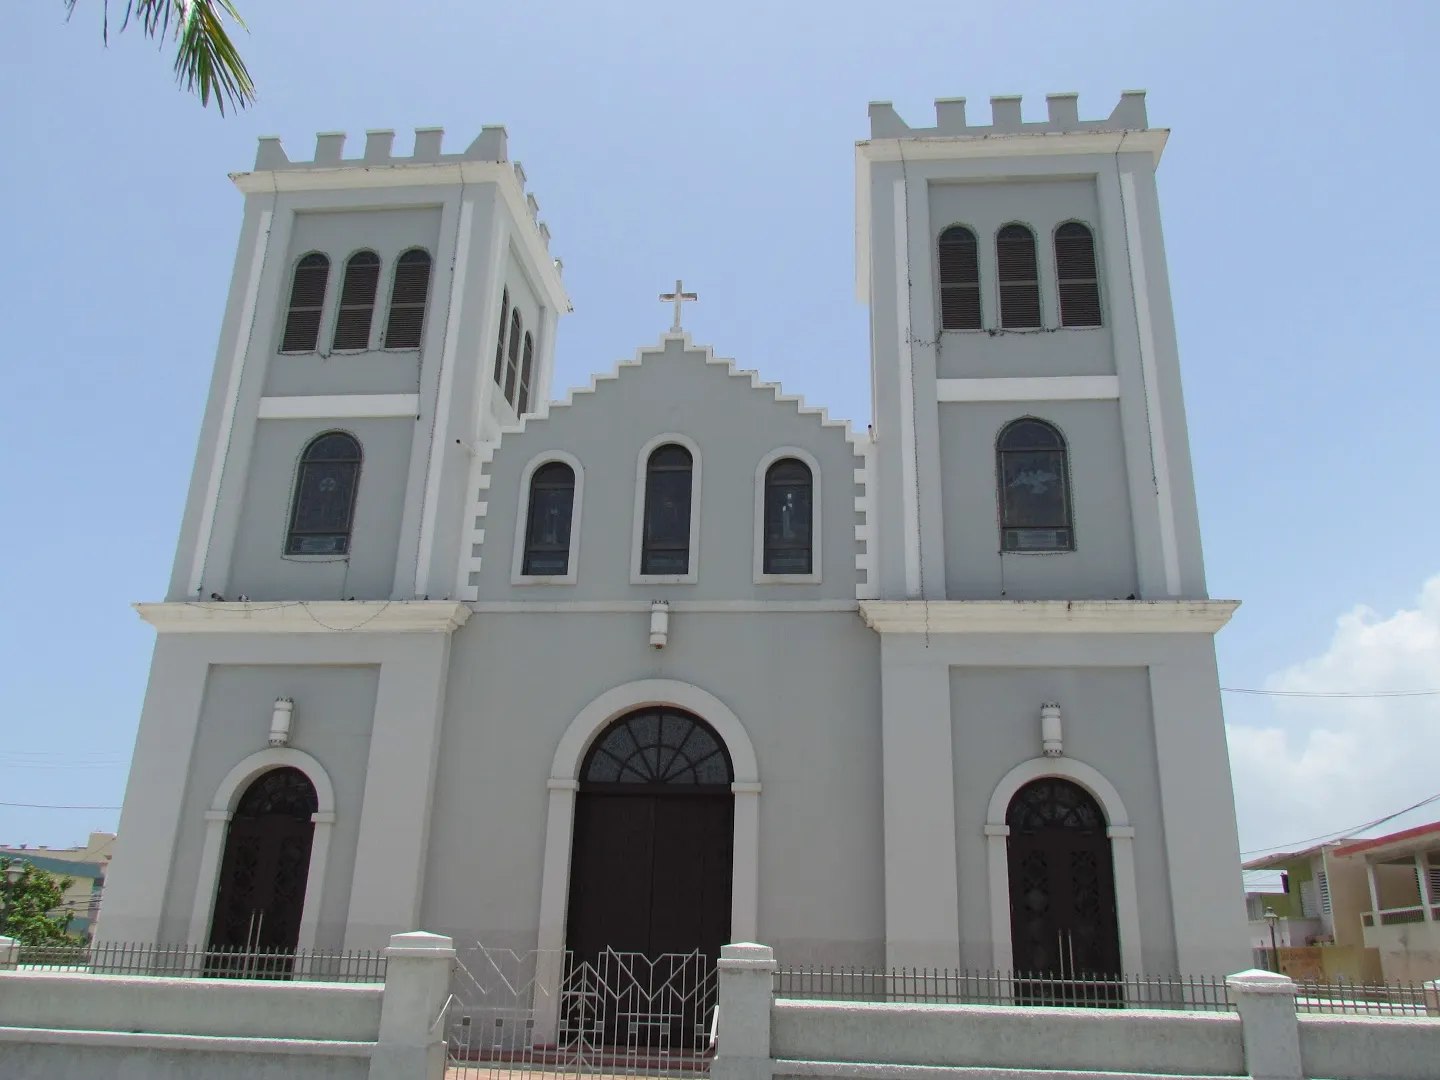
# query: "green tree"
{"points": [[206, 60], [27, 903]]}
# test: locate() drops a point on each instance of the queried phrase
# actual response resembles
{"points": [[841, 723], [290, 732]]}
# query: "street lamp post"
{"points": [[1271, 918]]}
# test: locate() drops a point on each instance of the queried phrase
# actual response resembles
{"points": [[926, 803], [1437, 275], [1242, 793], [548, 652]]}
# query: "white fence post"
{"points": [[412, 1013], [742, 1044], [9, 953], [1265, 1001]]}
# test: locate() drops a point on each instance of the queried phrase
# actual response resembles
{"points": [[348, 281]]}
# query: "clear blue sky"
{"points": [[714, 141]]}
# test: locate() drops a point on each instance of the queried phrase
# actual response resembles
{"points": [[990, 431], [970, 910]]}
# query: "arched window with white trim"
{"points": [[789, 518], [527, 359], [665, 544], [548, 521], [307, 304], [500, 338], [357, 303], [512, 368], [408, 295]]}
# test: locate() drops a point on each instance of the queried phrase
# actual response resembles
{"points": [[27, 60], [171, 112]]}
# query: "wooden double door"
{"points": [[1062, 887]]}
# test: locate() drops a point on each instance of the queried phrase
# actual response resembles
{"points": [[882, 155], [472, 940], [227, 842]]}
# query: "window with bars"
{"points": [[788, 518], [512, 368], [307, 304], [408, 295], [1019, 275], [665, 544], [959, 255], [500, 339], [547, 529], [323, 511], [527, 358], [1075, 276], [357, 302], [1034, 487], [1323, 885]]}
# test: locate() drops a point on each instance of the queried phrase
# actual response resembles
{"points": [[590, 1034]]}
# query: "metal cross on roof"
{"points": [[678, 297]]}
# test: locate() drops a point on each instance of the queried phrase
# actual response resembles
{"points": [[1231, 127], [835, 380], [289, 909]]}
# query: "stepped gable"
{"points": [[480, 480]]}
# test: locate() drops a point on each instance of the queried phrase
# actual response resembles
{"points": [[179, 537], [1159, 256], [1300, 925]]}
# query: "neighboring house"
{"points": [[1401, 916], [86, 865], [507, 669]]}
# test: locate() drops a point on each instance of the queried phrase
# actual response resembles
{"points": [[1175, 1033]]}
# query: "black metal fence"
{"points": [[196, 962], [1391, 999]]}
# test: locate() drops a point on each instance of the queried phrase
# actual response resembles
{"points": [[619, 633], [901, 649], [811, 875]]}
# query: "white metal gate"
{"points": [[513, 1015]]}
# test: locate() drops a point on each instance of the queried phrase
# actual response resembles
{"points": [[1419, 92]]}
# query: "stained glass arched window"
{"points": [[788, 518], [666, 542], [286, 792], [324, 508], [658, 745], [547, 528], [1034, 485]]}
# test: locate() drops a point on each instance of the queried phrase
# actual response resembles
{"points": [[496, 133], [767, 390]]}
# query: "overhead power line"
{"points": [[1341, 833], [54, 806], [1330, 693]]}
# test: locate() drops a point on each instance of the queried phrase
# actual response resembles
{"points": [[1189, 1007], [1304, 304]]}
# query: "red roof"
{"points": [[1380, 841]]}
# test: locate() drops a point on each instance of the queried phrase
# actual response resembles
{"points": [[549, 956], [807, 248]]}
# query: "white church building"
{"points": [[678, 660]]}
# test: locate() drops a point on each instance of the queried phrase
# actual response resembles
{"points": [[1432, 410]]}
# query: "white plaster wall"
{"points": [[334, 710], [262, 570], [1123, 1041], [1370, 1048], [1107, 724], [805, 687], [1102, 566]]}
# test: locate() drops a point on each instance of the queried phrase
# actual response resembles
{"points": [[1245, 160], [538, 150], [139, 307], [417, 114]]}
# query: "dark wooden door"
{"points": [[262, 884], [1062, 885], [650, 874]]}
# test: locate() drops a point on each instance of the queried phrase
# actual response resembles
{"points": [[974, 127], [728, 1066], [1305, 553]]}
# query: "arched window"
{"points": [[500, 339], [357, 302], [788, 518], [547, 529], [522, 405], [1034, 488], [512, 369], [324, 508], [1019, 277], [307, 304], [959, 279], [408, 294], [658, 745], [1077, 282], [665, 545]]}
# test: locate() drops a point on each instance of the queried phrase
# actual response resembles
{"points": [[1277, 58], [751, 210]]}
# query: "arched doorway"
{"points": [[1062, 883], [261, 891], [654, 826]]}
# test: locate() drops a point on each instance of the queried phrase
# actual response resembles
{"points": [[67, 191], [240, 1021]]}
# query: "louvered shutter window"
{"points": [[307, 304], [959, 279], [666, 543], [547, 530], [1075, 275], [1019, 278], [1034, 488], [407, 300], [500, 339], [527, 358], [357, 302], [512, 369], [324, 507]]}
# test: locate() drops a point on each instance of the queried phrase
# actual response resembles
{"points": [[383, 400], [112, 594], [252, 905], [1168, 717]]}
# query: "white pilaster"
{"points": [[1127, 897], [745, 882], [324, 825], [216, 823], [909, 461], [997, 855]]}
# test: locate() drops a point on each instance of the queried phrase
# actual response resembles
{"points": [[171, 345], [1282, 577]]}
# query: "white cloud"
{"points": [[1326, 763]]}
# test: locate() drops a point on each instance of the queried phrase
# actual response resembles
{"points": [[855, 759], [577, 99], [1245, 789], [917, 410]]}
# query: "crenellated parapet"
{"points": [[1005, 119]]}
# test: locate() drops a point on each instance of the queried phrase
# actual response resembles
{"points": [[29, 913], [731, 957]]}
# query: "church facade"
{"points": [[678, 660]]}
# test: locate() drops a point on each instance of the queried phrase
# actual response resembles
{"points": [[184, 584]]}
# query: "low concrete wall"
{"points": [[1125, 1041], [127, 1060], [216, 1007], [1370, 1047]]}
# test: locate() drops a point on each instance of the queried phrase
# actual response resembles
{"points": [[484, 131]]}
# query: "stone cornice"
{"points": [[306, 617], [1047, 616]]}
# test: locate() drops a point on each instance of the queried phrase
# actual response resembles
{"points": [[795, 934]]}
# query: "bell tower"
{"points": [[1030, 438]]}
